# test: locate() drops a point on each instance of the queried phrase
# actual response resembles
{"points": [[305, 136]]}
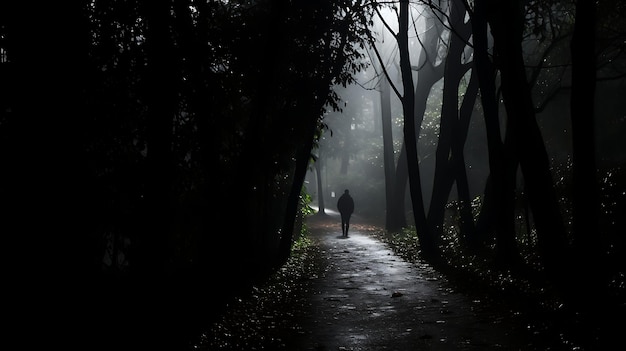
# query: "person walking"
{"points": [[345, 205]]}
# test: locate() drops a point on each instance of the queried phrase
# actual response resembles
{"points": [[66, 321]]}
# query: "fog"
{"points": [[351, 148]]}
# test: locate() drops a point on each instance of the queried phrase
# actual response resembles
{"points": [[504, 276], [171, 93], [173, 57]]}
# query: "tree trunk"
{"points": [[303, 156], [345, 156], [320, 186], [588, 258], [427, 75], [388, 152], [586, 198], [453, 72], [397, 213], [506, 22], [428, 244], [460, 130], [497, 212], [485, 70]]}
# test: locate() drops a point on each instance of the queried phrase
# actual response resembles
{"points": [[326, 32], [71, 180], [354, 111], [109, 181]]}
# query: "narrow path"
{"points": [[371, 299], [356, 294]]}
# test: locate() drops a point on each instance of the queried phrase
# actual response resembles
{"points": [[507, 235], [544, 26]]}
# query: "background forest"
{"points": [[154, 152]]}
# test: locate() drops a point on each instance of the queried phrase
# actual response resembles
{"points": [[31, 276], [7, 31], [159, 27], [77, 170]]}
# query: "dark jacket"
{"points": [[345, 204]]}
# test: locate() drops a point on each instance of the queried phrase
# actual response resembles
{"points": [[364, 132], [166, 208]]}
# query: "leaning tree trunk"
{"points": [[302, 158]]}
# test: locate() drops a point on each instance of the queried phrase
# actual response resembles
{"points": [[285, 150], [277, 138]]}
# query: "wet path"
{"points": [[370, 299]]}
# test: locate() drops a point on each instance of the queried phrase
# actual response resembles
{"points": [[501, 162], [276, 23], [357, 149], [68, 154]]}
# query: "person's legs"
{"points": [[343, 224], [347, 225]]}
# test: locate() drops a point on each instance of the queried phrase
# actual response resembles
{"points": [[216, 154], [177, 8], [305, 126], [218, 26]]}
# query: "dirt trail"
{"points": [[371, 299]]}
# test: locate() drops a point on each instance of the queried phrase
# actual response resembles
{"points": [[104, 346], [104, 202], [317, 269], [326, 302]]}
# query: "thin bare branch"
{"points": [[395, 35], [395, 90]]}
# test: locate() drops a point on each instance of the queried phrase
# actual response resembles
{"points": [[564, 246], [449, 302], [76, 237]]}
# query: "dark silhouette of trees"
{"points": [[522, 67], [429, 71], [427, 241], [155, 150], [585, 179], [450, 164], [498, 204], [161, 108]]}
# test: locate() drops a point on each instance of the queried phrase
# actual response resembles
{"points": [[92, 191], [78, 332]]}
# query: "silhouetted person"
{"points": [[345, 205]]}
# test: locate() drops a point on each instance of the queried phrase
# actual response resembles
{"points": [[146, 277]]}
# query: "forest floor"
{"points": [[355, 293]]}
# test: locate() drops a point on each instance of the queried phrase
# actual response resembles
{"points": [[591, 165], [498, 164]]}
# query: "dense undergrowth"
{"points": [[531, 283], [472, 268], [530, 291]]}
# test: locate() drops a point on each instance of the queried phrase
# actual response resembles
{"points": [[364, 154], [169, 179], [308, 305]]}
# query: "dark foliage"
{"points": [[153, 151]]}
